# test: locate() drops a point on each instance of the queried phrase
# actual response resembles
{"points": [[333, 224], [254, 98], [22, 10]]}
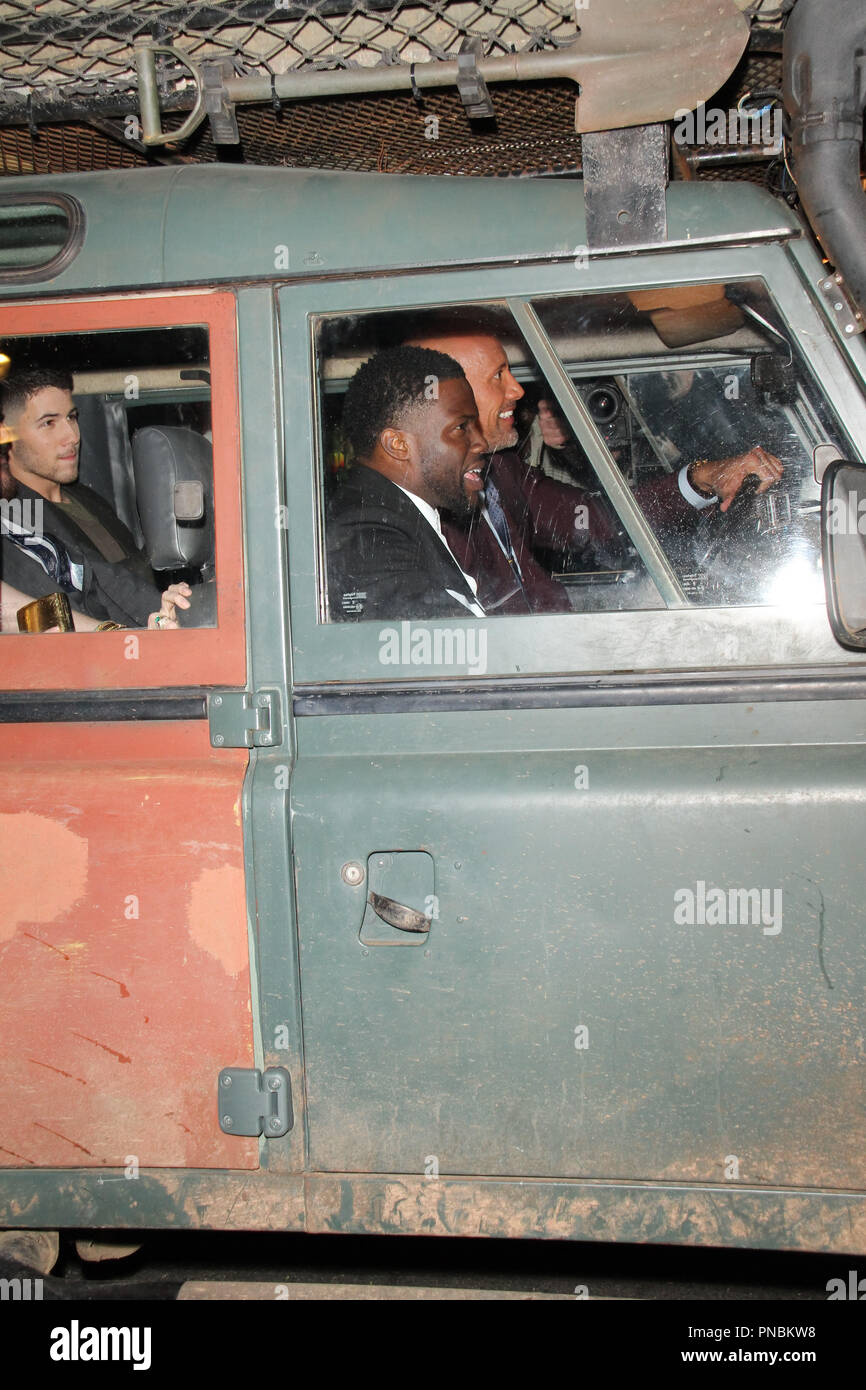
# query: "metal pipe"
{"points": [[824, 67], [703, 159], [397, 77]]}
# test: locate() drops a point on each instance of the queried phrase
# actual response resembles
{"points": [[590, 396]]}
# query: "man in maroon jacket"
{"points": [[526, 512]]}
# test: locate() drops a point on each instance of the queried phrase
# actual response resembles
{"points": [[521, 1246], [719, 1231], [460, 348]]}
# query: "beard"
{"points": [[460, 507], [451, 495], [508, 440]]}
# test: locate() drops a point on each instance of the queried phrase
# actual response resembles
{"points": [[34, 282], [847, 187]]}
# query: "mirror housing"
{"points": [[843, 551]]}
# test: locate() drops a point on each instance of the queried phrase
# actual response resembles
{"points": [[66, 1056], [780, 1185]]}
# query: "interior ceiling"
{"points": [[67, 87]]}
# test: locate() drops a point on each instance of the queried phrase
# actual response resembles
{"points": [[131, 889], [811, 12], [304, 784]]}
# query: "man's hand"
{"points": [[552, 431], [175, 596], [725, 477]]}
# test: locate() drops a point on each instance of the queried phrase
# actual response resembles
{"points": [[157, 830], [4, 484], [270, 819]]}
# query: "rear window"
{"points": [[38, 237]]}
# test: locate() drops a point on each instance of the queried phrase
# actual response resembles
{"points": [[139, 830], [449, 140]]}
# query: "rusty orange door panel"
{"points": [[124, 962]]}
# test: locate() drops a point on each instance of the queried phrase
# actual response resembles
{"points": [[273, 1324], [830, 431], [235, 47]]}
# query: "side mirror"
{"points": [[843, 551]]}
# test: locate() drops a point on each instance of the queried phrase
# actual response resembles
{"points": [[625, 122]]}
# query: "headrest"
{"points": [[174, 493]]}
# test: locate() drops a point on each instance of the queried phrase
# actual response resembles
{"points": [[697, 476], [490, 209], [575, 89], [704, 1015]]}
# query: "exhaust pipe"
{"points": [[824, 90]]}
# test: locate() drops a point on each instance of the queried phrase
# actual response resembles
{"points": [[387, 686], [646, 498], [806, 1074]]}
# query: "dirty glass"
{"points": [[680, 384], [32, 235], [524, 545], [107, 490]]}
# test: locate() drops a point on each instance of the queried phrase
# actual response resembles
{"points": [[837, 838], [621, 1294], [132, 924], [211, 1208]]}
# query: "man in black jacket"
{"points": [[522, 510], [40, 426], [411, 420]]}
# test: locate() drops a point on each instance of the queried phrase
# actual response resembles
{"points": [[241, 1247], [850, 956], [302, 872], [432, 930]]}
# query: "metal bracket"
{"points": [[252, 1103], [625, 173], [148, 94], [836, 296], [470, 84], [243, 719], [219, 109]]}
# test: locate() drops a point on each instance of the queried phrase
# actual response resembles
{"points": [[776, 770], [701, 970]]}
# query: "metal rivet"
{"points": [[458, 864], [352, 873], [365, 952], [227, 1081], [273, 1083], [217, 700], [274, 1124], [218, 740], [227, 1121]]}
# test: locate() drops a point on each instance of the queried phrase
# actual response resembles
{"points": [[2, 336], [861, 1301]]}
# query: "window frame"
{"points": [[724, 642], [189, 657]]}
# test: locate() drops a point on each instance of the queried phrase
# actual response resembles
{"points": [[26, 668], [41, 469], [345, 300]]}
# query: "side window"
{"points": [[690, 483], [108, 480], [411, 535], [706, 407]]}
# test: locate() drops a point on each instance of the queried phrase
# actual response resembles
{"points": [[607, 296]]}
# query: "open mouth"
{"points": [[473, 480]]}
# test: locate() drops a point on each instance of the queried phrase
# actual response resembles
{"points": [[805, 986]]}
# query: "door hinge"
{"points": [[253, 1103], [245, 719], [839, 301]]}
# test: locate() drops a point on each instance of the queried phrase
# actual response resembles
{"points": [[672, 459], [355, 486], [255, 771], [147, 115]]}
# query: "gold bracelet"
{"points": [[110, 627]]}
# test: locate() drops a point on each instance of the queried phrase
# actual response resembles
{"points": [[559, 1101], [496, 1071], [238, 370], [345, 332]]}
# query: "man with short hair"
{"points": [[31, 557], [411, 421], [41, 440], [523, 511]]}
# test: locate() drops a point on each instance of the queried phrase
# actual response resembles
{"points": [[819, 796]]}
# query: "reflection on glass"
{"points": [[675, 397]]}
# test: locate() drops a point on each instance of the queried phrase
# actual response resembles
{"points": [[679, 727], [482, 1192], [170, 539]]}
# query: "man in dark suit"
{"points": [[410, 418], [40, 429], [524, 512]]}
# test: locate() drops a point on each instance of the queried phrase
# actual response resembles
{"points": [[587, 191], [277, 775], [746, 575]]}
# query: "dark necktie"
{"points": [[499, 523]]}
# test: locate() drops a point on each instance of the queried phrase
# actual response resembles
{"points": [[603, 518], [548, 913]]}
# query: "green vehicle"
{"points": [[424, 809], [544, 925]]}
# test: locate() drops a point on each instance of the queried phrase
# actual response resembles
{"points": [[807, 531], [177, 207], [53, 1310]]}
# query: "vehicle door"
{"points": [[630, 827], [123, 915]]}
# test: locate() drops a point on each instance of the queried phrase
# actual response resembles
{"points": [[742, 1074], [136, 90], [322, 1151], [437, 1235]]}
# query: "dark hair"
{"points": [[23, 382], [384, 390]]}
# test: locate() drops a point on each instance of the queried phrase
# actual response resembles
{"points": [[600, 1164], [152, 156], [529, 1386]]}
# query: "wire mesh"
{"points": [[84, 48], [67, 73]]}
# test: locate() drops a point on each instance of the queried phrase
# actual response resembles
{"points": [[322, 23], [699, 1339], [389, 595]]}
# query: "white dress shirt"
{"points": [[431, 515]]}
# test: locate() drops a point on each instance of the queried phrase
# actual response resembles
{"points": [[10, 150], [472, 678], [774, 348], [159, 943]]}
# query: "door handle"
{"points": [[397, 915]]}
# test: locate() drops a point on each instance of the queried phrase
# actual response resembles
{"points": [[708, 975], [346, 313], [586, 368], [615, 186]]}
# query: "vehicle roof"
{"points": [[202, 224]]}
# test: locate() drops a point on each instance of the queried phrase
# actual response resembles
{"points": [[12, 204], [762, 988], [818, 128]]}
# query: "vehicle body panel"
{"points": [[560, 1057]]}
